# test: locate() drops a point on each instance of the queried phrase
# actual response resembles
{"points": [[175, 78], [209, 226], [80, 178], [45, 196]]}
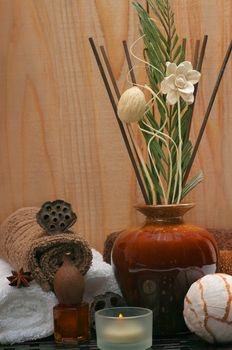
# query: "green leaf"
{"points": [[175, 41], [192, 184], [178, 52], [156, 183], [147, 184], [162, 44]]}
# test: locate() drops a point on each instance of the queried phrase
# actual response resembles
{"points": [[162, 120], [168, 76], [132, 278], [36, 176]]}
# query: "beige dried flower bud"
{"points": [[132, 105]]}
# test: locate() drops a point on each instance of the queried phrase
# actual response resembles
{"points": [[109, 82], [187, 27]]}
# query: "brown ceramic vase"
{"points": [[156, 263]]}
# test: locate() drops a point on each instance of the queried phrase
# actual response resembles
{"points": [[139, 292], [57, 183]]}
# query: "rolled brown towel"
{"points": [[24, 243], [108, 245], [225, 261], [224, 242]]}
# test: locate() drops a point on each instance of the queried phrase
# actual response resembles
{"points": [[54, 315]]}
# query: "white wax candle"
{"points": [[123, 332]]}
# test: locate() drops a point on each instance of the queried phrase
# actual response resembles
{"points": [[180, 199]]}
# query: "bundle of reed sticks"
{"points": [[114, 95]]}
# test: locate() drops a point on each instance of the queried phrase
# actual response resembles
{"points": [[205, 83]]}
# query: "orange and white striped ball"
{"points": [[208, 309]]}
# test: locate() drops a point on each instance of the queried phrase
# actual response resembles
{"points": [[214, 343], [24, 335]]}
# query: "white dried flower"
{"points": [[179, 81], [132, 105]]}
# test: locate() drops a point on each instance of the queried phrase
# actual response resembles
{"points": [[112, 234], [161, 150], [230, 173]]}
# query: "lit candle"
{"points": [[124, 331], [130, 331]]}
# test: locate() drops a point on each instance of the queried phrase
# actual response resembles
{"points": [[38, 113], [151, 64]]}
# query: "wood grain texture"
{"points": [[59, 138]]}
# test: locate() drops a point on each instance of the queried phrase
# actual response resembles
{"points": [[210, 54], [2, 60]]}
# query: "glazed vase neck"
{"points": [[166, 214]]}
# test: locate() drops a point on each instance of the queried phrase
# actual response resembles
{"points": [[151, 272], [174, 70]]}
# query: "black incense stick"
{"points": [[114, 106], [117, 92], [109, 69], [197, 64], [202, 53], [129, 62], [210, 105], [184, 42], [196, 54], [147, 7]]}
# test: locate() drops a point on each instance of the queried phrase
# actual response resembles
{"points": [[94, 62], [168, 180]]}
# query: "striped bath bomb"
{"points": [[208, 309]]}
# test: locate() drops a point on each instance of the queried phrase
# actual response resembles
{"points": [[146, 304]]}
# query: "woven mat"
{"points": [[183, 343]]}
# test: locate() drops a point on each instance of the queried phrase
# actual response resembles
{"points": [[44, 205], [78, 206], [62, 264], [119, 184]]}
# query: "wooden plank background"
{"points": [[58, 135]]}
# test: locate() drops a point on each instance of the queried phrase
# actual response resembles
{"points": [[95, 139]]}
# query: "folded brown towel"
{"points": [[224, 242], [223, 237], [24, 243], [225, 261]]}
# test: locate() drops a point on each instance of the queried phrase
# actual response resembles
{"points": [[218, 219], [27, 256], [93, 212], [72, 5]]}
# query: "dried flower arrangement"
{"points": [[165, 117]]}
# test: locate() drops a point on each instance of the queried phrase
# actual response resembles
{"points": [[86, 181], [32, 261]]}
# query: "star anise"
{"points": [[20, 278]]}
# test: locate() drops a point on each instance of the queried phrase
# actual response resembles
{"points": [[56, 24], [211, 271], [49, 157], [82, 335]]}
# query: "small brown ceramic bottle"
{"points": [[71, 316]]}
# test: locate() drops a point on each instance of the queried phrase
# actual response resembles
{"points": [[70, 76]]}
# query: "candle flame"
{"points": [[120, 316]]}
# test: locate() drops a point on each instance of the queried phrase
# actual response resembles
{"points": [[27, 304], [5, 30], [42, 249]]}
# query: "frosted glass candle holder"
{"points": [[127, 328]]}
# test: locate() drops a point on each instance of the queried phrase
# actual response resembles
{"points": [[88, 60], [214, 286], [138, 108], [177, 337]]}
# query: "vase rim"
{"points": [[163, 206], [167, 212]]}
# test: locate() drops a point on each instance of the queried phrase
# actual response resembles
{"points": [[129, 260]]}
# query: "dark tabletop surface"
{"points": [[183, 343]]}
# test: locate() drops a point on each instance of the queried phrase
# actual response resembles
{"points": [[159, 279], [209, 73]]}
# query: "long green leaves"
{"points": [[162, 45]]}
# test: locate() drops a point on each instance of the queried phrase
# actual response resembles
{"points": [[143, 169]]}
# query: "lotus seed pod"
{"points": [[132, 105], [208, 309]]}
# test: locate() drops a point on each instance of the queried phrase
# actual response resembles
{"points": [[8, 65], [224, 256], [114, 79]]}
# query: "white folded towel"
{"points": [[99, 279], [25, 313]]}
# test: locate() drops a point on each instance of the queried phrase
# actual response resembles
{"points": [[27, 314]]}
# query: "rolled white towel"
{"points": [[99, 279], [25, 313]]}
